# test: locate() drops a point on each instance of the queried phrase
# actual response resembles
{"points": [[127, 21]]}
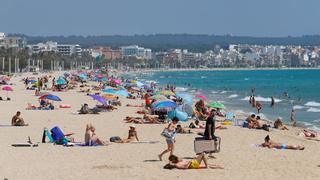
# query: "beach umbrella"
{"points": [[139, 84], [112, 91], [122, 93], [187, 98], [159, 97], [187, 108], [99, 99], [32, 81], [203, 97], [50, 97], [61, 81], [166, 93], [216, 105], [182, 116], [164, 104], [7, 88]]}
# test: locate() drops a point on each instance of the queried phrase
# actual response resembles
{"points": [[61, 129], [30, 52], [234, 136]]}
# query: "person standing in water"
{"points": [[272, 101], [253, 101], [259, 107], [293, 118]]}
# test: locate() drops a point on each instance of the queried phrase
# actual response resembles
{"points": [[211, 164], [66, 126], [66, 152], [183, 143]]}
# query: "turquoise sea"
{"points": [[298, 89]]}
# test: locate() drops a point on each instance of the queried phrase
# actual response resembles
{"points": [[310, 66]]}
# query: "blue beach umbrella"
{"points": [[61, 81], [32, 81], [122, 93], [187, 98], [164, 104], [112, 91], [50, 97]]}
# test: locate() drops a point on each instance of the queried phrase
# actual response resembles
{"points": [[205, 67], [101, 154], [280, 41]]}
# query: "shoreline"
{"points": [[221, 69], [241, 113]]}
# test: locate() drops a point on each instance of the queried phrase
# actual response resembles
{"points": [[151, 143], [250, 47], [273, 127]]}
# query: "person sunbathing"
{"points": [[196, 125], [269, 144], [133, 105], [132, 135], [90, 137], [200, 162], [181, 130], [144, 120], [17, 120], [278, 124], [310, 135]]}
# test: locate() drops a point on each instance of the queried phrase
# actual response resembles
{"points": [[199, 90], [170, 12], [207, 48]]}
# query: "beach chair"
{"points": [[46, 134], [206, 146]]}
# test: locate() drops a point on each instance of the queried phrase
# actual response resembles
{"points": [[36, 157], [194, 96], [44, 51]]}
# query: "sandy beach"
{"points": [[239, 155]]}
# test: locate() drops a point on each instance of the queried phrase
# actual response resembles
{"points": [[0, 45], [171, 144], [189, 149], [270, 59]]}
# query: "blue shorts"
{"points": [[170, 141]]}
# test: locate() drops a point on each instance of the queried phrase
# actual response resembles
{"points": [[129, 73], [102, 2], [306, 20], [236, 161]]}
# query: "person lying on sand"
{"points": [[17, 120], [181, 130], [90, 137], [143, 120], [278, 124], [196, 125], [269, 144], [200, 162], [133, 105], [86, 110], [132, 135], [310, 135]]}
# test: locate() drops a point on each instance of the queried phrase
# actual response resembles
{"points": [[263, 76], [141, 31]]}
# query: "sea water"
{"points": [[291, 89]]}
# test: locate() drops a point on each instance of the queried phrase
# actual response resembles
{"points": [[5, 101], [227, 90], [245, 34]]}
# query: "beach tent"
{"points": [[182, 116], [187, 108]]}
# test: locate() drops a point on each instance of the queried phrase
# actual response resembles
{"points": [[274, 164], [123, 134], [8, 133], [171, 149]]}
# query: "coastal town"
{"points": [[134, 56]]}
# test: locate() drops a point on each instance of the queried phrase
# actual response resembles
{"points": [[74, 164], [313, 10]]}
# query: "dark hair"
{"points": [[267, 138], [258, 117], [173, 158], [253, 115], [168, 166], [18, 112], [175, 119]]}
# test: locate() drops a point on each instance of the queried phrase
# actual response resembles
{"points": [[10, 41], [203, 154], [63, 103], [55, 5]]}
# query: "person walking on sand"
{"points": [[293, 118], [170, 140]]}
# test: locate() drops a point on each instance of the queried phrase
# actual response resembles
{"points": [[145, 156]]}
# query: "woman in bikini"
{"points": [[200, 162]]}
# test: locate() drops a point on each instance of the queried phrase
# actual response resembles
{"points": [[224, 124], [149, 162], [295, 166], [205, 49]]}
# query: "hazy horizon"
{"points": [[252, 18]]}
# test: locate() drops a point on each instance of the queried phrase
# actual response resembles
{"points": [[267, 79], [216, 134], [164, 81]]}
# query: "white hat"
{"points": [[132, 126]]}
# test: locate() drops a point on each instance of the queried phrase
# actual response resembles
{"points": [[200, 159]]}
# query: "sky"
{"points": [[263, 18]]}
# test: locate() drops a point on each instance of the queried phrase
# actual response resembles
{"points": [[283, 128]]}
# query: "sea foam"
{"points": [[313, 110], [313, 104], [262, 99]]}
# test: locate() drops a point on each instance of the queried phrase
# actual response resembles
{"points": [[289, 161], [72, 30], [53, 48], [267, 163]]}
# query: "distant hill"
{"points": [[159, 42]]}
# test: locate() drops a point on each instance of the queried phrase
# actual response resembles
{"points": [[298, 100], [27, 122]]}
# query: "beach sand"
{"points": [[241, 159]]}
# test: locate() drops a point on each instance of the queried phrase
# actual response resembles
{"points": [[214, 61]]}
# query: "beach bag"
{"points": [[165, 133], [115, 139]]}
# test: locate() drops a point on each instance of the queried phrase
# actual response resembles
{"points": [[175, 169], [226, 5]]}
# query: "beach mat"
{"points": [[24, 145], [145, 142]]}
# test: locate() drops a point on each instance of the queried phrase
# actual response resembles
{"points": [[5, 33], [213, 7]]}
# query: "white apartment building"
{"points": [[136, 51], [63, 49]]}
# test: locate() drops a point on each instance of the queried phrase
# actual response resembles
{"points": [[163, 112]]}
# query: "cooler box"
{"points": [[207, 146]]}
